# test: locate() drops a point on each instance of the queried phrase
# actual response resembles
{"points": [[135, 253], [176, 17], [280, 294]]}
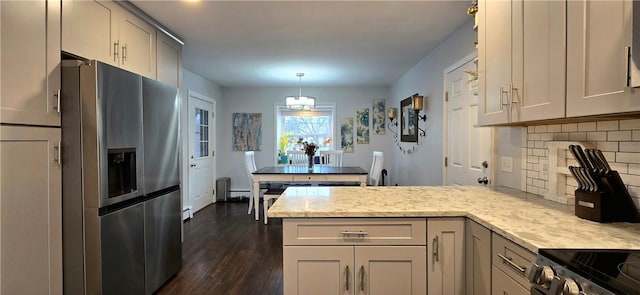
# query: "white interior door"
{"points": [[201, 151], [467, 146]]}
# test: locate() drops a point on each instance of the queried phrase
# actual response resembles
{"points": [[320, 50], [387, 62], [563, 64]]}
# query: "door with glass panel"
{"points": [[201, 151]]}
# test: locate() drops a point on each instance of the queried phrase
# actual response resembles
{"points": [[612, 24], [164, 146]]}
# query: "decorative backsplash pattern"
{"points": [[619, 141]]}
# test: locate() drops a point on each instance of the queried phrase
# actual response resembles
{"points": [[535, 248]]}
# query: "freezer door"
{"points": [[161, 135], [112, 133], [163, 255], [122, 245]]}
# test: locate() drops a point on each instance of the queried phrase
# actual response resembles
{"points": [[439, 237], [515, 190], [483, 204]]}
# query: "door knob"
{"points": [[192, 165]]}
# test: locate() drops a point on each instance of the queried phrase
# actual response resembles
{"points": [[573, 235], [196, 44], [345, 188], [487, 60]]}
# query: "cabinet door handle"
{"points": [[57, 95], [512, 93], [346, 270], [58, 157], [627, 69], [115, 51], [435, 253], [508, 261], [124, 53], [362, 278]]}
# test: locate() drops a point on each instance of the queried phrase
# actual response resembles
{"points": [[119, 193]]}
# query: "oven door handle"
{"points": [[512, 264]]}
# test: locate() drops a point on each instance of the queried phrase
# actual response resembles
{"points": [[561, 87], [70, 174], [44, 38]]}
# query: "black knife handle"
{"points": [[600, 156]]}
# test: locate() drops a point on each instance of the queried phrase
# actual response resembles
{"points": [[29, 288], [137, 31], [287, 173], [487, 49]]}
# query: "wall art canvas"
{"points": [[346, 134], [247, 131], [362, 116], [379, 119]]}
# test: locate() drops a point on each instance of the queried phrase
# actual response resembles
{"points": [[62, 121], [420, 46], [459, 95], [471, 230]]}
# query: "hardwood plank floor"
{"points": [[225, 251]]}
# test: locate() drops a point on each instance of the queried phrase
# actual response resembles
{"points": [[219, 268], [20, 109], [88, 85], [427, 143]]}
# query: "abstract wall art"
{"points": [[362, 117], [247, 131], [378, 118], [346, 135]]}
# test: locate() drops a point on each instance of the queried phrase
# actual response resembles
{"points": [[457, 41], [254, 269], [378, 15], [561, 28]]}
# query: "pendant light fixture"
{"points": [[300, 103]]}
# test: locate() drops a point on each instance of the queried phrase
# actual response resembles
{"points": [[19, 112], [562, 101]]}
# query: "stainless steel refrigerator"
{"points": [[162, 208], [120, 233]]}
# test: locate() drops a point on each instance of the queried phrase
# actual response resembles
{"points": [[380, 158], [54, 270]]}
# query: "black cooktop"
{"points": [[616, 270]]}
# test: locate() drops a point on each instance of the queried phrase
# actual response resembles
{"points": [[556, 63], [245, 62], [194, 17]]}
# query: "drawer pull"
{"points": [[359, 233], [435, 251], [362, 278], [508, 261], [346, 270]]}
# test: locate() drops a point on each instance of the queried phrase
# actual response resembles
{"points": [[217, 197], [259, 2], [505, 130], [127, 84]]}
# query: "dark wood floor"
{"points": [[225, 251]]}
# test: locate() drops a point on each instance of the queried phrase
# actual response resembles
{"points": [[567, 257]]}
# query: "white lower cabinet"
{"points": [[503, 284], [511, 266], [354, 256], [30, 211], [326, 270], [445, 267], [477, 259]]}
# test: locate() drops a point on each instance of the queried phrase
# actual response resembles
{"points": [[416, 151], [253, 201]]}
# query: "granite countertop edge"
{"points": [[528, 220]]}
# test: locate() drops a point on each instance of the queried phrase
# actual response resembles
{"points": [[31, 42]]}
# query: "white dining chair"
{"points": [[376, 168], [268, 195], [297, 158], [331, 158]]}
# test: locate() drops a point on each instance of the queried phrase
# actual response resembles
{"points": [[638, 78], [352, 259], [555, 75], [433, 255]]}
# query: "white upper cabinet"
{"points": [[169, 65], [598, 40], [539, 61], [89, 29], [105, 31], [30, 62], [494, 60], [521, 61], [137, 45]]}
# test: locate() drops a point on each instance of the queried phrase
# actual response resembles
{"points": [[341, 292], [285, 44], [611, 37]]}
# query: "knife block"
{"points": [[612, 203]]}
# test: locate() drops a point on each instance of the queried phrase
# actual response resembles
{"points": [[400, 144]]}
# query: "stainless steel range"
{"points": [[586, 272]]}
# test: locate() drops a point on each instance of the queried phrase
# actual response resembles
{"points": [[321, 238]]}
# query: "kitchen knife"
{"points": [[597, 166], [585, 175], [576, 177], [602, 159], [588, 165], [592, 179], [581, 160], [585, 183]]}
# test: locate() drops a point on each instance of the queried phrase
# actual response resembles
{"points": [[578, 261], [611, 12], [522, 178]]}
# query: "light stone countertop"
{"points": [[525, 219]]}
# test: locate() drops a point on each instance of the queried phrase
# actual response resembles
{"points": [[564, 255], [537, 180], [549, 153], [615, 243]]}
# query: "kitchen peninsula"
{"points": [[400, 224]]}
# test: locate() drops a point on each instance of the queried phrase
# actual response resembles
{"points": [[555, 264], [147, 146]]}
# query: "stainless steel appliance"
{"points": [[120, 233], [162, 213], [586, 272]]}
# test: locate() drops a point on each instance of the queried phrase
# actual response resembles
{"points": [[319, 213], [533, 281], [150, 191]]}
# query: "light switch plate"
{"points": [[506, 164]]}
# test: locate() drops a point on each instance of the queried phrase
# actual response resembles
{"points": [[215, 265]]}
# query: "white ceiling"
{"points": [[335, 43]]}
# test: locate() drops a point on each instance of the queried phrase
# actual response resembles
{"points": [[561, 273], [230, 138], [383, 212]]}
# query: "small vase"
{"points": [[311, 161]]}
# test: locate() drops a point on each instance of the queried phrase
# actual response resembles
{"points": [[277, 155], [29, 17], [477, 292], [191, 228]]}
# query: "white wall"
{"points": [[193, 82], [424, 165], [263, 100]]}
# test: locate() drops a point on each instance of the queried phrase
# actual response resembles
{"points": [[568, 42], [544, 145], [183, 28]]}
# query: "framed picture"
{"points": [[408, 121]]}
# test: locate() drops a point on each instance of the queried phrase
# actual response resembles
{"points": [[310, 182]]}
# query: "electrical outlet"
{"points": [[506, 164]]}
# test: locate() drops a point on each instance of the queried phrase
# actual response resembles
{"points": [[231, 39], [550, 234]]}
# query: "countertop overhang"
{"points": [[525, 219]]}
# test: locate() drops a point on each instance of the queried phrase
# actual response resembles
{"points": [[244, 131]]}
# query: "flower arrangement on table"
{"points": [[310, 149]]}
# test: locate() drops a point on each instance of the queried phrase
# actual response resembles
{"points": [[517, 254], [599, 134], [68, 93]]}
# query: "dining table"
{"points": [[302, 174]]}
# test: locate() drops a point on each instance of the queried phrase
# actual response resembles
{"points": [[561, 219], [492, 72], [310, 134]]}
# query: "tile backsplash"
{"points": [[547, 157]]}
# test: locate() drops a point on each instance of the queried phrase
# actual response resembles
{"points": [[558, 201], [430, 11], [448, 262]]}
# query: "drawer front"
{"points": [[275, 178], [354, 231], [512, 259], [309, 178], [503, 284]]}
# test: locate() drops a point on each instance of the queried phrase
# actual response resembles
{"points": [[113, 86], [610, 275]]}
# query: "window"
{"points": [[312, 126]]}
